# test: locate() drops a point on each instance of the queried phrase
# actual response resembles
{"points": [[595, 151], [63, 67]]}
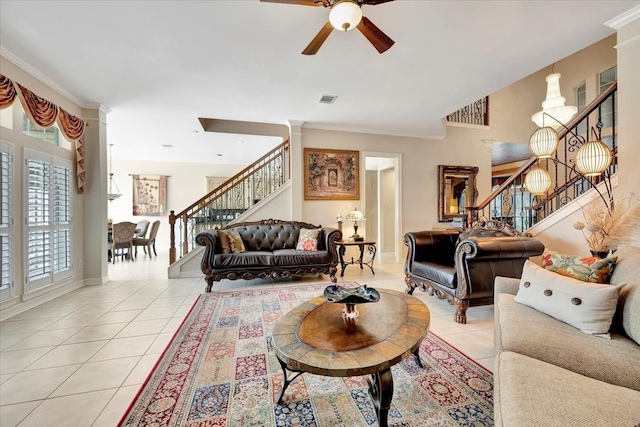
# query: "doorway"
{"points": [[382, 204]]}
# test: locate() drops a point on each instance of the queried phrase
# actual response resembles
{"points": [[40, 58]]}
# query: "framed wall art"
{"points": [[331, 174], [149, 195]]}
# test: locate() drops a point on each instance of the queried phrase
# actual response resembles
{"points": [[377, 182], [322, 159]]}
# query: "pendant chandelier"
{"points": [[111, 195], [592, 159], [553, 106]]}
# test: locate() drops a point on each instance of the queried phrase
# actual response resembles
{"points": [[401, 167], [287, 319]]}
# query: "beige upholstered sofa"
{"points": [[548, 373]]}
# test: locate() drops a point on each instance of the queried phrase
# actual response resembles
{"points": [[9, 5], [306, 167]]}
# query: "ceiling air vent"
{"points": [[327, 99]]}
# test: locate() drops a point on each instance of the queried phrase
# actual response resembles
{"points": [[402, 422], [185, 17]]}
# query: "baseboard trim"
{"points": [[21, 305]]}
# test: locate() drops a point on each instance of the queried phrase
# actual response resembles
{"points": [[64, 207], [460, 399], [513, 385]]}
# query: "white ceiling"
{"points": [[160, 65]]}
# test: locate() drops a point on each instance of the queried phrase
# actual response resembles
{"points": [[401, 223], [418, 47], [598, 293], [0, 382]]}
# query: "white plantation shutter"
{"points": [[6, 221], [48, 219], [61, 218]]}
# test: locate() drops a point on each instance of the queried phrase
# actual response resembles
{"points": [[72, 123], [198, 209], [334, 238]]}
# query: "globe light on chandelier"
{"points": [[593, 158], [537, 181], [544, 142]]}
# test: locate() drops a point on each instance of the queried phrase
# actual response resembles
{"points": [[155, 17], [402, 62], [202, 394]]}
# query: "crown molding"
{"points": [[623, 19], [47, 81]]}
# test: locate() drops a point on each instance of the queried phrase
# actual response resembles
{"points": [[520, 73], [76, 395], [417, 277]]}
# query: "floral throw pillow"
{"points": [[588, 269], [235, 242], [224, 241], [308, 239]]}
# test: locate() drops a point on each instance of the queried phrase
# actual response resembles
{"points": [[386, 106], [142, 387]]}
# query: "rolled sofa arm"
{"points": [[484, 248], [207, 239], [331, 236], [506, 285], [480, 259]]}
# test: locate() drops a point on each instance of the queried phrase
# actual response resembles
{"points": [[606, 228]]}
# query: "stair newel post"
{"points": [[172, 237], [185, 235]]}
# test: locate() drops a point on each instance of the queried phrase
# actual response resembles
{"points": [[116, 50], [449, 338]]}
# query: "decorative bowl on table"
{"points": [[350, 297], [341, 295]]}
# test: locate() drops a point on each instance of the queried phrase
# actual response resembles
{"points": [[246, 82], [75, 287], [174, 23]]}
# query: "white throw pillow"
{"points": [[587, 306]]}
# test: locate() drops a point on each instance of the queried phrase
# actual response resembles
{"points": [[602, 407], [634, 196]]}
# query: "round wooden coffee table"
{"points": [[314, 338]]}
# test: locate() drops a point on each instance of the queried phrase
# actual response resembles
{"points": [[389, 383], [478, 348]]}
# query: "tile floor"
{"points": [[80, 359]]}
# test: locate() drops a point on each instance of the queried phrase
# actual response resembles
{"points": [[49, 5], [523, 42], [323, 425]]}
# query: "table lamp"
{"points": [[355, 216]]}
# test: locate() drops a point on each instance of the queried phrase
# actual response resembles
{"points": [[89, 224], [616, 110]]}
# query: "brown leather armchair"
{"points": [[461, 265]]}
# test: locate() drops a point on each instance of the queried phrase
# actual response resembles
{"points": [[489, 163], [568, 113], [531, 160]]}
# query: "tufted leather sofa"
{"points": [[270, 252], [461, 265]]}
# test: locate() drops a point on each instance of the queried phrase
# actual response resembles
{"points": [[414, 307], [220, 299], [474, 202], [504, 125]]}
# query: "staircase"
{"points": [[512, 203], [230, 200]]}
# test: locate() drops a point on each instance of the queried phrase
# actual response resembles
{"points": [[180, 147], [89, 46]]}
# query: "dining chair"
{"points": [[141, 229], [148, 243], [122, 238]]}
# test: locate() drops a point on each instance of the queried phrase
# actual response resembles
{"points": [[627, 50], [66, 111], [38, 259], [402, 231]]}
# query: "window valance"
{"points": [[44, 114]]}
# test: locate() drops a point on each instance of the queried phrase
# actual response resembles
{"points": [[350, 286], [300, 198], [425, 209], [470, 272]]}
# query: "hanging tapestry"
{"points": [[149, 195]]}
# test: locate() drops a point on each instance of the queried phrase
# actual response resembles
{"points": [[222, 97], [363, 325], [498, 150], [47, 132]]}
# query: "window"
{"points": [[606, 110], [50, 135], [6, 221], [48, 208], [581, 103]]}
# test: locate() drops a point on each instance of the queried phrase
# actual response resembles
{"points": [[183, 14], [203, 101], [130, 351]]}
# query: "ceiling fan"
{"points": [[344, 16]]}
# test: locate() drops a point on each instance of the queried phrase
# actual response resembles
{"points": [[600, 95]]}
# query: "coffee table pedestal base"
{"points": [[380, 388]]}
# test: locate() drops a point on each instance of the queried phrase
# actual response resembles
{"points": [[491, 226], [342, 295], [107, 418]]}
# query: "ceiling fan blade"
{"points": [[300, 2], [378, 39], [317, 41]]}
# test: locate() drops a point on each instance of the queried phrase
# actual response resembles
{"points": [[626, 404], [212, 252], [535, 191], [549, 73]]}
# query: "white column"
{"points": [[628, 47], [297, 171], [95, 196]]}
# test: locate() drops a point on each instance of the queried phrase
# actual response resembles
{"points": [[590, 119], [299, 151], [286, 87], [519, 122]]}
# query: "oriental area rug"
{"points": [[220, 370]]}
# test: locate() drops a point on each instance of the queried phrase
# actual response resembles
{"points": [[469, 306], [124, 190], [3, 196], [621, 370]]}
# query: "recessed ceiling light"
{"points": [[167, 145], [195, 131]]}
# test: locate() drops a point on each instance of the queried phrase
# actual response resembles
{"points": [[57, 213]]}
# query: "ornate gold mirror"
{"points": [[457, 190]]}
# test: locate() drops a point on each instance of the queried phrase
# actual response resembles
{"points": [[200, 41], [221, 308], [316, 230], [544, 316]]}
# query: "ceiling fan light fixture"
{"points": [[345, 15]]}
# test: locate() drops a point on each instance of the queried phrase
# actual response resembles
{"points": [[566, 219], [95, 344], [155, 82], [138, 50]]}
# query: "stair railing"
{"points": [[476, 113], [228, 201], [512, 203]]}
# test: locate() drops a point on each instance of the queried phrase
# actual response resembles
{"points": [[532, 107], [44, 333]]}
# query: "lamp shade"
{"points": [[554, 106], [593, 158], [537, 181], [543, 142], [355, 215], [345, 15]]}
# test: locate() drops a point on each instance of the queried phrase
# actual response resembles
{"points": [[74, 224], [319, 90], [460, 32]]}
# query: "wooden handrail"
{"points": [[564, 131], [240, 176], [217, 193]]}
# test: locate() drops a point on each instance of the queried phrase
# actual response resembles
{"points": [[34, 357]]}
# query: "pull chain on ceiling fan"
{"points": [[344, 16]]}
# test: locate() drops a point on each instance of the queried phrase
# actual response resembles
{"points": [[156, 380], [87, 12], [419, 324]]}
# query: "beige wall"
{"points": [[511, 108], [561, 236], [186, 183], [419, 172]]}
